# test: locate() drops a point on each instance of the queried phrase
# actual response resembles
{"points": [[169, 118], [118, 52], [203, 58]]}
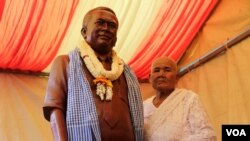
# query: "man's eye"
{"points": [[100, 22], [109, 24], [112, 25]]}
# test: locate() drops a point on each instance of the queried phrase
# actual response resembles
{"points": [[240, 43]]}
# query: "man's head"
{"points": [[99, 29], [163, 74]]}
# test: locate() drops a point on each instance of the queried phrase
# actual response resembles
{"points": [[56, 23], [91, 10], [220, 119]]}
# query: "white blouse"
{"points": [[181, 117]]}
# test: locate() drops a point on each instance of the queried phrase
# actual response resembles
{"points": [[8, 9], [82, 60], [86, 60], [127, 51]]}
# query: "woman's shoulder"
{"points": [[187, 92]]}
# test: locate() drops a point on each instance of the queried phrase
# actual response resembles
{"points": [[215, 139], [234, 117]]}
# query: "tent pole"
{"points": [[215, 52]]}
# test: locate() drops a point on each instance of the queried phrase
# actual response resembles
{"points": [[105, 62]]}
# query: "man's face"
{"points": [[163, 75], [101, 31]]}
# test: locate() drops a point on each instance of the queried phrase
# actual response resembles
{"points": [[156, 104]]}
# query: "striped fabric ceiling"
{"points": [[34, 32]]}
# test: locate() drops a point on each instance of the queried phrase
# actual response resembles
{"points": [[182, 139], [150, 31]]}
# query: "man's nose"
{"points": [[105, 26]]}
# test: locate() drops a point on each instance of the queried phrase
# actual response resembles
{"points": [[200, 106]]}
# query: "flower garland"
{"points": [[103, 77]]}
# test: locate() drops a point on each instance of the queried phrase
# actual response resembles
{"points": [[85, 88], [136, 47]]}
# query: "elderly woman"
{"points": [[173, 114]]}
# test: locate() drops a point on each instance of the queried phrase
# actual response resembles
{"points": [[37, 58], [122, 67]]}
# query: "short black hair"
{"points": [[88, 14]]}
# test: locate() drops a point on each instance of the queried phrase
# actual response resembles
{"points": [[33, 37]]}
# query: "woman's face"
{"points": [[163, 76]]}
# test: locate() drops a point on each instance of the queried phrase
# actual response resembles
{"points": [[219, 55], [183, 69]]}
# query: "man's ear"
{"points": [[149, 78], [114, 42], [83, 32]]}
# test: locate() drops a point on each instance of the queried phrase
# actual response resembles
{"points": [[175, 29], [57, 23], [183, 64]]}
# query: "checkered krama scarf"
{"points": [[81, 116]]}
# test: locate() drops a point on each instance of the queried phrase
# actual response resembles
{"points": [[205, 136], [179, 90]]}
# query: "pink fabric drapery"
{"points": [[174, 28], [32, 31], [1, 8]]}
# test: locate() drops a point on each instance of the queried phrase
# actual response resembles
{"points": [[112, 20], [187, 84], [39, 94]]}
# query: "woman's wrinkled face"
{"points": [[101, 30], [163, 75]]}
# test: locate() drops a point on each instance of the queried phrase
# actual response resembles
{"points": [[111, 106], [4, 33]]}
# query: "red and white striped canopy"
{"points": [[34, 32]]}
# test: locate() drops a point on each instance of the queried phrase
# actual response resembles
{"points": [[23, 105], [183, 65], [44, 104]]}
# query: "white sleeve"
{"points": [[149, 109], [201, 128]]}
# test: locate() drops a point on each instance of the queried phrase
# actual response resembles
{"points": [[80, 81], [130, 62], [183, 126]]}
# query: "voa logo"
{"points": [[236, 132]]}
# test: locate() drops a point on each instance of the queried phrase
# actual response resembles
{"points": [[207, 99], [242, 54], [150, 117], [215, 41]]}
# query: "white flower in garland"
{"points": [[103, 77]]}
